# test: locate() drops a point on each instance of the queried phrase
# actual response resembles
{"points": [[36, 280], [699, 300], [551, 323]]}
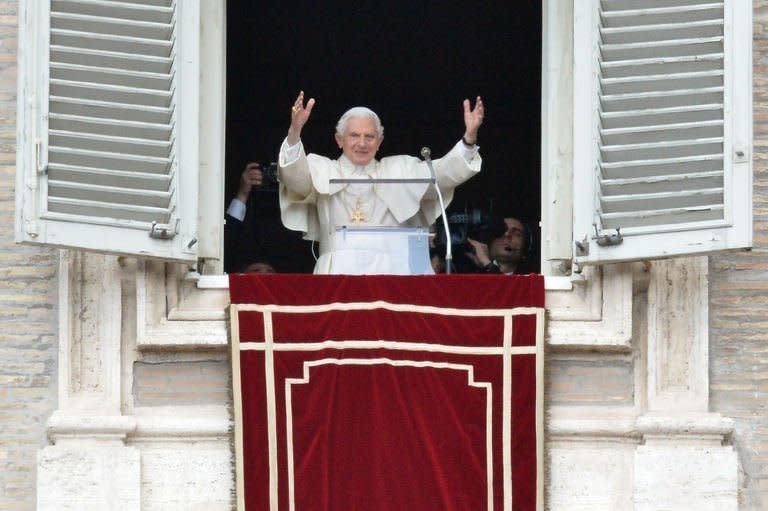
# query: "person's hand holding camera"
{"points": [[480, 254], [251, 176]]}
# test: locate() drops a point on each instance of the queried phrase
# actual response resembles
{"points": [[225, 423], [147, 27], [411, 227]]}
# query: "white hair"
{"points": [[359, 112]]}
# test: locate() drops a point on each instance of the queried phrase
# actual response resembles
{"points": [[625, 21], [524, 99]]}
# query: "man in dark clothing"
{"points": [[252, 233]]}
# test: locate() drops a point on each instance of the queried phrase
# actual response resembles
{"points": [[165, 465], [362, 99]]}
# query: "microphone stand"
{"points": [[426, 153]]}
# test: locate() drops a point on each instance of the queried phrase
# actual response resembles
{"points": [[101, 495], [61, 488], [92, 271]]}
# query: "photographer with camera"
{"points": [[486, 242], [235, 216], [252, 241], [505, 253]]}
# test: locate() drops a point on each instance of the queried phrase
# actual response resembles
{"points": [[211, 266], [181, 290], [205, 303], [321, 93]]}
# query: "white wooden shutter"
{"points": [[662, 128], [110, 113]]}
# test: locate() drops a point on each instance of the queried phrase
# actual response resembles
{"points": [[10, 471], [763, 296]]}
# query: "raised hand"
{"points": [[473, 118], [299, 117]]}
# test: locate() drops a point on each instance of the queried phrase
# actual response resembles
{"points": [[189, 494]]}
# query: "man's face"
{"points": [[508, 248], [360, 140], [260, 268]]}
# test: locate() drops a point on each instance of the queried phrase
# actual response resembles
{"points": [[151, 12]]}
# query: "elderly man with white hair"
{"points": [[320, 195]]}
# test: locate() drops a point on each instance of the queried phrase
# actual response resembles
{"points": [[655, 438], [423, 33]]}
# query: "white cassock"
{"points": [[310, 203]]}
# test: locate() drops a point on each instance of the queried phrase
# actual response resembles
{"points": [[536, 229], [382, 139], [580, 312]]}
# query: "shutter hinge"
{"points": [[608, 240], [602, 240], [582, 247], [41, 166], [163, 231], [31, 228]]}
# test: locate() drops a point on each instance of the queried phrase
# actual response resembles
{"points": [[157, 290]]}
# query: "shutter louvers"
{"points": [[111, 154], [661, 114]]}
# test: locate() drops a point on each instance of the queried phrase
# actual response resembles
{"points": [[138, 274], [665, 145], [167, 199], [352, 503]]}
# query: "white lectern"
{"points": [[394, 250]]}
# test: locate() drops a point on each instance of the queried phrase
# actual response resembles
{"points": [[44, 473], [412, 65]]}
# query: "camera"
{"points": [[270, 175], [269, 181], [264, 197], [475, 223]]}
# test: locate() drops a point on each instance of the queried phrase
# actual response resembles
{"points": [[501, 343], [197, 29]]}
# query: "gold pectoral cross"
{"points": [[357, 214]]}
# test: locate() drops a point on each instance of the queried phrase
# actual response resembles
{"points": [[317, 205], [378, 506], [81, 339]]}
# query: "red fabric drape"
{"points": [[388, 392]]}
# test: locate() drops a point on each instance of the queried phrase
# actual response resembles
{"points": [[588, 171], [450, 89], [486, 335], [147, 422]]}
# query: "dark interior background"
{"points": [[411, 62]]}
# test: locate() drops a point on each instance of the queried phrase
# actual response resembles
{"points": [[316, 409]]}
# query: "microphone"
{"points": [[426, 154]]}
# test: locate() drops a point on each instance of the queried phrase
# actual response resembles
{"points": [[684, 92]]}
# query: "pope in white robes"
{"points": [[311, 202]]}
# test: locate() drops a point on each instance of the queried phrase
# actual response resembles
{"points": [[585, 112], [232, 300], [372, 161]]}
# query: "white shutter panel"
{"points": [[117, 164], [662, 128]]}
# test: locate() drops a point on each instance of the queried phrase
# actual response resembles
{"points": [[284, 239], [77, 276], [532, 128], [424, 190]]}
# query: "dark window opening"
{"points": [[412, 63]]}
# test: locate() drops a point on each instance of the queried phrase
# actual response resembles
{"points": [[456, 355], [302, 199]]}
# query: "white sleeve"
{"points": [[289, 153], [468, 152], [236, 209]]}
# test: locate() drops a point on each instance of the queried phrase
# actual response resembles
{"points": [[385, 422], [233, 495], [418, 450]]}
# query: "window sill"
{"points": [[222, 282]]}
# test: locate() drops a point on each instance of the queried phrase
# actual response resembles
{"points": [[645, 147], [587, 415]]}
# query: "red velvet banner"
{"points": [[388, 392]]}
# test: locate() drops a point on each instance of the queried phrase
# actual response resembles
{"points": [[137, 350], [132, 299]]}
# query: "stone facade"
{"points": [[28, 316], [738, 300]]}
